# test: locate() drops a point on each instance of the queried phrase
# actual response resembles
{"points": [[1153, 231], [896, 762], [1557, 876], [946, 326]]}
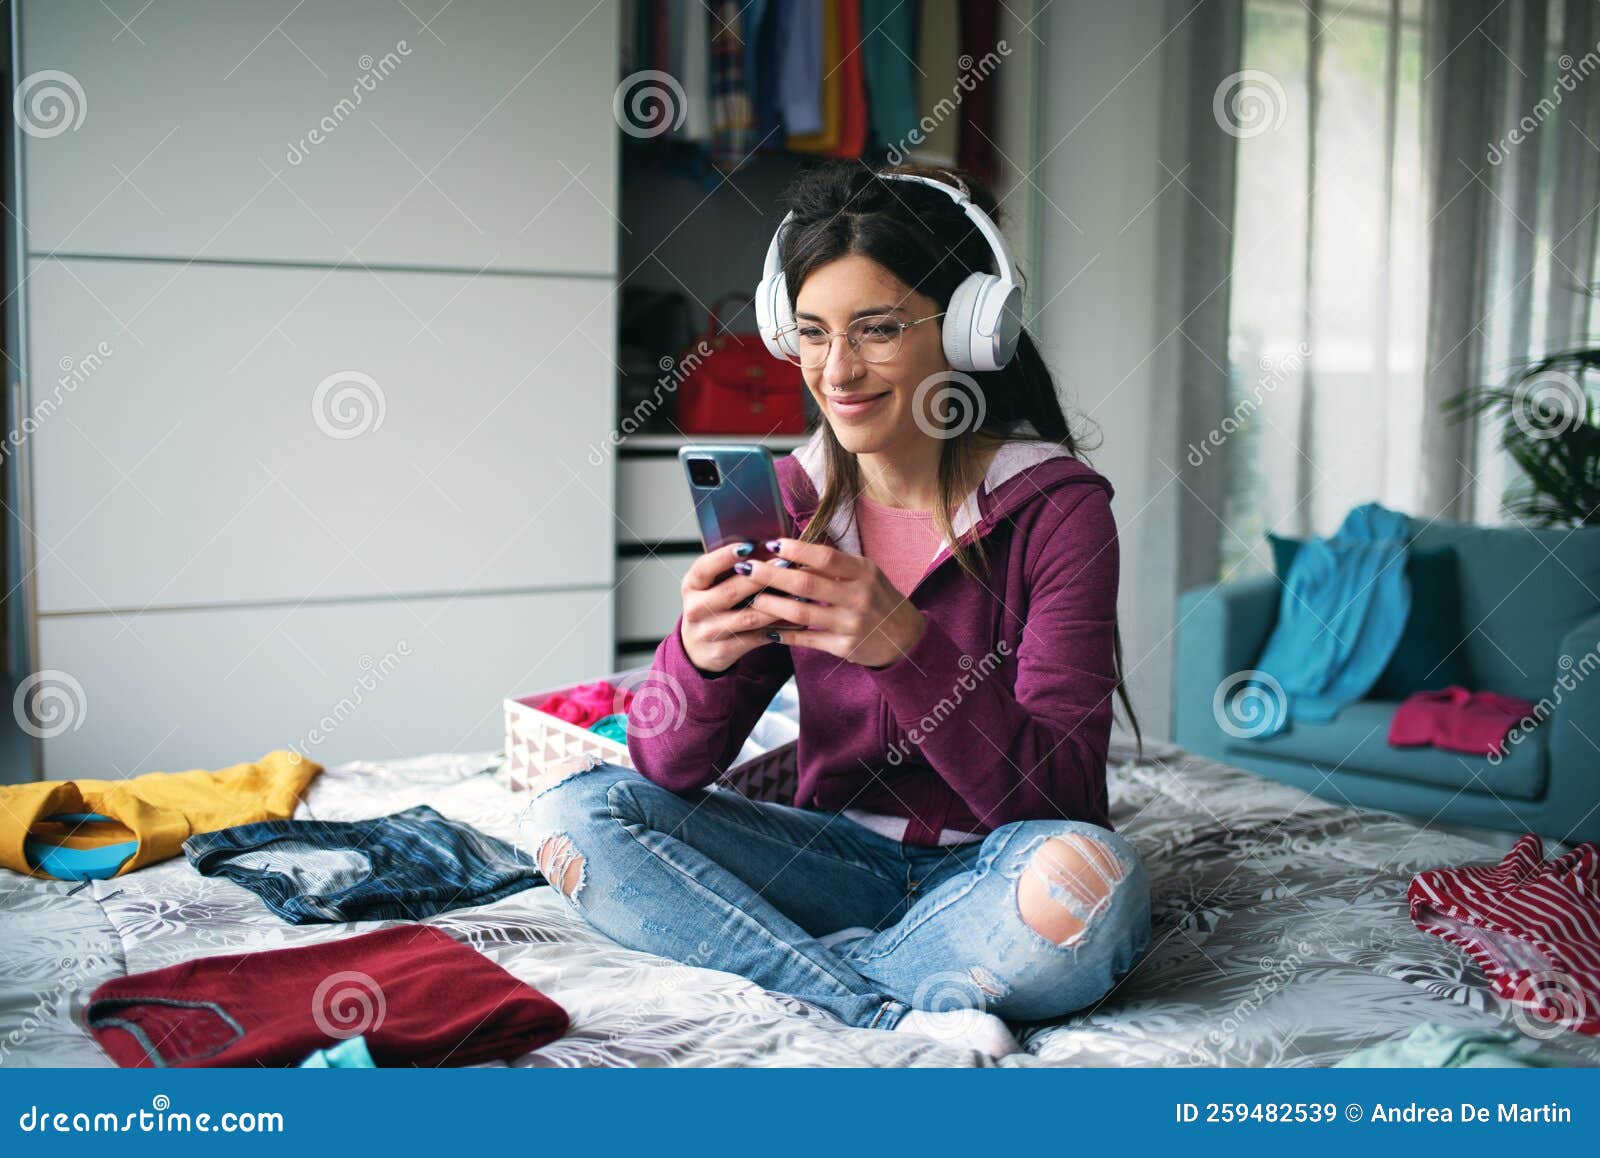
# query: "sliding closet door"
{"points": [[319, 301]]}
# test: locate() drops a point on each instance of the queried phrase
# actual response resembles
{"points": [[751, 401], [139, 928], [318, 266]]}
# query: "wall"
{"points": [[1100, 310], [336, 289]]}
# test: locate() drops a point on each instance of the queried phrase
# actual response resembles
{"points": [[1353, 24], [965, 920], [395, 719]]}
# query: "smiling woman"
{"points": [[948, 611]]}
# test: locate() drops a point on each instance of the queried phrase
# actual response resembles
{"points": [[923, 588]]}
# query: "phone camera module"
{"points": [[703, 472]]}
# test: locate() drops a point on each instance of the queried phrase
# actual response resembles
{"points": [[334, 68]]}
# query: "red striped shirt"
{"points": [[1533, 927]]}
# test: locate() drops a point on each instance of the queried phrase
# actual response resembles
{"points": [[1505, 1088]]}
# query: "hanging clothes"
{"points": [[416, 995], [939, 73], [852, 86], [1533, 926], [888, 47], [799, 45], [827, 135], [689, 39], [733, 136], [980, 35], [763, 75], [122, 825]]}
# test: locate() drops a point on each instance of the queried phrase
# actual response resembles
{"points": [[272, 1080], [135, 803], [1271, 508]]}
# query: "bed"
{"points": [[1280, 938]]}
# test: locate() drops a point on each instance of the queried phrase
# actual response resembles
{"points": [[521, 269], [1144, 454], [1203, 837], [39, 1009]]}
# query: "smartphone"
{"points": [[736, 496]]}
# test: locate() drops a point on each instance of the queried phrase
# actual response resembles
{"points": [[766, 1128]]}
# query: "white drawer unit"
{"points": [[650, 594], [331, 131], [173, 690], [291, 433], [653, 503]]}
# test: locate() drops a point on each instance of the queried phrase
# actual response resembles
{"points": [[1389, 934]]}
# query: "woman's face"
{"points": [[869, 404]]}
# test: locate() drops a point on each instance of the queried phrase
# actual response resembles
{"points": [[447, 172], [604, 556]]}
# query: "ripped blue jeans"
{"points": [[1039, 919]]}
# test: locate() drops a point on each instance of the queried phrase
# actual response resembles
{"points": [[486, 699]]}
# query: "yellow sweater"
{"points": [[160, 810]]}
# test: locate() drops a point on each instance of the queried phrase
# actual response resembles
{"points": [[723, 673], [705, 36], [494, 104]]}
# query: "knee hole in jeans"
{"points": [[1069, 879], [561, 863]]}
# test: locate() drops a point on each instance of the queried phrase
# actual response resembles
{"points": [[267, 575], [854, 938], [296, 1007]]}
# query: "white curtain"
{"points": [[1383, 260]]}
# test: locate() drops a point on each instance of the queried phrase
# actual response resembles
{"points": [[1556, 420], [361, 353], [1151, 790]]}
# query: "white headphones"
{"points": [[981, 324]]}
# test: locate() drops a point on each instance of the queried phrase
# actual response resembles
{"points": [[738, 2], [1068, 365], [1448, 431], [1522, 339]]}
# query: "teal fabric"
{"points": [[613, 727], [1522, 591], [888, 47], [349, 1054], [1356, 743], [1432, 1045], [1344, 607], [1429, 655]]}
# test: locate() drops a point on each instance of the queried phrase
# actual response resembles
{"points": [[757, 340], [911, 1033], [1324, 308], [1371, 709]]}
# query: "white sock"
{"points": [[965, 1028]]}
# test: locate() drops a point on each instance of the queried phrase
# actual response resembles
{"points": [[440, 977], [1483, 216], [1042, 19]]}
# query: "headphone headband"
{"points": [[984, 316]]}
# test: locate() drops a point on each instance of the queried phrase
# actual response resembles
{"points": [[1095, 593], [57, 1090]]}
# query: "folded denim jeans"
{"points": [[407, 866]]}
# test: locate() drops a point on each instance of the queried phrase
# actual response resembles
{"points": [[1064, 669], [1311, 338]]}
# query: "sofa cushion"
{"points": [[1429, 655], [1522, 591], [1358, 740]]}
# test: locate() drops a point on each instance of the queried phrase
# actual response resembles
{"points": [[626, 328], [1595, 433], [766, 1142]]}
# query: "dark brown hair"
{"points": [[927, 241]]}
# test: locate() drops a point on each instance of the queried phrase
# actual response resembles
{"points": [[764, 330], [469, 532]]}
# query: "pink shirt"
{"points": [[902, 543]]}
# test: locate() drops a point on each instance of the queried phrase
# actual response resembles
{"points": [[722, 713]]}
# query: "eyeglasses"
{"points": [[875, 339]]}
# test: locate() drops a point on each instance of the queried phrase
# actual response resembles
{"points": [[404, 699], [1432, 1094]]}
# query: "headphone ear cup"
{"points": [[1008, 326], [772, 313], [958, 321]]}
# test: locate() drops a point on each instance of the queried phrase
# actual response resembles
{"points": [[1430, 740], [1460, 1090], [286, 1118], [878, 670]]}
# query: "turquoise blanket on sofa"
{"points": [[1343, 608]]}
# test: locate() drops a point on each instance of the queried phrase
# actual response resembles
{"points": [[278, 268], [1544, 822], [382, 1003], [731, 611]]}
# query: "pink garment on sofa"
{"points": [[1458, 720], [586, 703]]}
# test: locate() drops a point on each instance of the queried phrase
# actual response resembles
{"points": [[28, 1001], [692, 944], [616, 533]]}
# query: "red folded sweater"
{"points": [[1476, 723], [418, 996]]}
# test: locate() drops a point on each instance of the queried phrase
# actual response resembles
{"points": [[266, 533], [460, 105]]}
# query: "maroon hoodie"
{"points": [[1002, 710]]}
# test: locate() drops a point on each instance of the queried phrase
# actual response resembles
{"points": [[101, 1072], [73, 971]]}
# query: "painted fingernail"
{"points": [[744, 568], [774, 637], [744, 550], [773, 545], [782, 563]]}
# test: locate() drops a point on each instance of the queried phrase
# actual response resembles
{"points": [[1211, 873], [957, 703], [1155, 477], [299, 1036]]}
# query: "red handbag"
{"points": [[739, 387]]}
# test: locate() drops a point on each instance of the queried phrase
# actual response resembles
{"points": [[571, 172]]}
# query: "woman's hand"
{"points": [[854, 611], [715, 633]]}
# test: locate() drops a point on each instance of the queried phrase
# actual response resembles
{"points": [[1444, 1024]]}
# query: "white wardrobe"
{"points": [[335, 281]]}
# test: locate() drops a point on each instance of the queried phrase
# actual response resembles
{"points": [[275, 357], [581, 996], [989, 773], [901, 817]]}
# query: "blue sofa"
{"points": [[1531, 617]]}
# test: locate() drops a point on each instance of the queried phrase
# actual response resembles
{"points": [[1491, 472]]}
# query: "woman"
{"points": [[948, 861]]}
